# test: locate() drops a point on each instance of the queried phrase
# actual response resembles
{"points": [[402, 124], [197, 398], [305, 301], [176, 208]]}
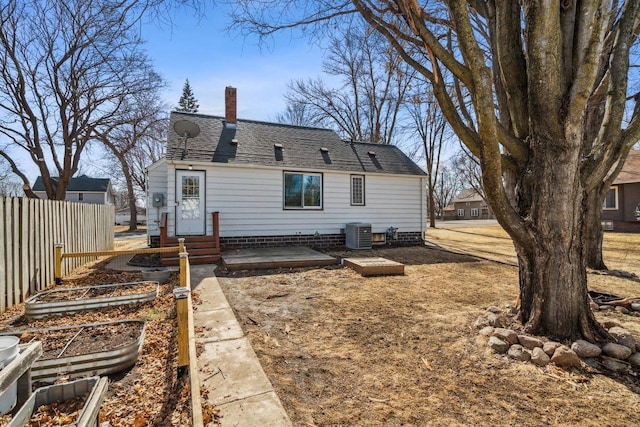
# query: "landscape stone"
{"points": [[565, 357], [608, 324], [594, 306], [621, 309], [518, 352], [539, 357], [498, 345], [606, 307], [591, 362], [494, 320], [512, 309], [634, 359], [506, 334], [635, 306], [614, 365], [585, 349], [626, 274], [481, 322], [623, 337], [486, 331], [529, 342], [494, 309], [550, 347], [617, 351]]}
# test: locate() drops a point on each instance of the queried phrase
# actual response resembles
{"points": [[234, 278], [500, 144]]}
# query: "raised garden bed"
{"points": [[76, 403], [74, 300], [85, 350]]}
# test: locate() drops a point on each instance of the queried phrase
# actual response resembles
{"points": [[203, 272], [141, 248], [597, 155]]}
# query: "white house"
{"points": [[82, 189], [276, 184]]}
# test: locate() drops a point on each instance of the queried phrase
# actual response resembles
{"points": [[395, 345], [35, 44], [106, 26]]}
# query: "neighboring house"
{"points": [[82, 189], [468, 204], [623, 197], [123, 216], [449, 213], [276, 184]]}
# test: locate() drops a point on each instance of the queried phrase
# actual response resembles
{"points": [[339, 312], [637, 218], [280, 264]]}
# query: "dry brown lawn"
{"points": [[341, 349]]}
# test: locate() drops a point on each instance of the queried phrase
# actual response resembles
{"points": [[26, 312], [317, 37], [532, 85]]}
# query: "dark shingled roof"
{"points": [[257, 143], [80, 183]]}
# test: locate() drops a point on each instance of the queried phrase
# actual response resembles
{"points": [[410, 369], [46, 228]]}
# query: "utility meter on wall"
{"points": [[158, 200]]}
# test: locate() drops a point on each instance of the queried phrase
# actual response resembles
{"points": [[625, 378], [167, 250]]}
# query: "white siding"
{"points": [[250, 203], [156, 183]]}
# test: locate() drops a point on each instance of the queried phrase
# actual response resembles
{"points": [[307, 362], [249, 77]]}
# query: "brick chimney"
{"points": [[230, 105]]}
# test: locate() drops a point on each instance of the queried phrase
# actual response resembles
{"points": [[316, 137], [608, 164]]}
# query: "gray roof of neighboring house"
{"points": [[80, 183], [467, 195], [302, 147]]}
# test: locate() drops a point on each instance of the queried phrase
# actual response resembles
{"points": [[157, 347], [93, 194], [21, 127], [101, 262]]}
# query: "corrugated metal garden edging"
{"points": [[88, 416], [35, 309]]}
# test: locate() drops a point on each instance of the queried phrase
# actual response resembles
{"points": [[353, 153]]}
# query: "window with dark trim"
{"points": [[80, 197], [302, 190], [611, 199], [460, 212], [474, 212], [357, 190]]}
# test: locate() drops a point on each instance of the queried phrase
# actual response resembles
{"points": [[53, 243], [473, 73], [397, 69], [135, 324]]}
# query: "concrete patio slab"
{"points": [[265, 258]]}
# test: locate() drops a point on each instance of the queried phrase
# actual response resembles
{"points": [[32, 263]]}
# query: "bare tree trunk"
{"points": [[553, 281], [432, 206], [133, 210]]}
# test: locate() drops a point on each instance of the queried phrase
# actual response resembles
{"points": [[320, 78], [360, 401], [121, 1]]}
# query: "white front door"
{"points": [[190, 209]]}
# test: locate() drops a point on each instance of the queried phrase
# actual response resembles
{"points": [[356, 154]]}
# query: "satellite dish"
{"points": [[186, 128]]}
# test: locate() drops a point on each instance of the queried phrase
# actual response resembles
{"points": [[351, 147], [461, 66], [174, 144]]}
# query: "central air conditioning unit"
{"points": [[358, 235]]}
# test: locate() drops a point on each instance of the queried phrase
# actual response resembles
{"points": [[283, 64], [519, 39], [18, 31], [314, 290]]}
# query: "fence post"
{"points": [[183, 270], [181, 245], [59, 247], [182, 314]]}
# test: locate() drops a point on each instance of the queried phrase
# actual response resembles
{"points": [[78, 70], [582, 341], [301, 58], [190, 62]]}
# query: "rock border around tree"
{"points": [[619, 356]]}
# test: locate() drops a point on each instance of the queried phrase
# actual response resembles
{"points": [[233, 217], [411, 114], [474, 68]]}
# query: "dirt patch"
{"points": [[341, 349]]}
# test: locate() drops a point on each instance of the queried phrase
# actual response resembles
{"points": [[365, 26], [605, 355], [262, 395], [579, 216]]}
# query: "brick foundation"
{"points": [[322, 241]]}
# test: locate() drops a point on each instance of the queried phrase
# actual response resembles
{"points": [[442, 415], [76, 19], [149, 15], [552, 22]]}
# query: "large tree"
{"points": [[544, 96], [66, 67]]}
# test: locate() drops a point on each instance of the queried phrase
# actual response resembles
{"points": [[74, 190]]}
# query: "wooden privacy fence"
{"points": [[29, 229]]}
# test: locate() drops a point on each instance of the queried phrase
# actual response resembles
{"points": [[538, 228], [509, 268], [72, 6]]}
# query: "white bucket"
{"points": [[8, 351]]}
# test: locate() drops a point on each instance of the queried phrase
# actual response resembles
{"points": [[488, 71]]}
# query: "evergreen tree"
{"points": [[187, 103]]}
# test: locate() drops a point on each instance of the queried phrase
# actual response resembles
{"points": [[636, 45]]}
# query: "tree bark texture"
{"points": [[552, 274]]}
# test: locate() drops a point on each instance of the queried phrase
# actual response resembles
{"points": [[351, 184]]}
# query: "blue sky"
{"points": [[201, 50]]}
